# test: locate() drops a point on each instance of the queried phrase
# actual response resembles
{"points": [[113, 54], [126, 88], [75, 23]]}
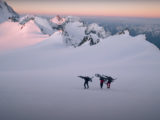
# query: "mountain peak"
{"points": [[125, 32], [6, 12], [58, 20]]}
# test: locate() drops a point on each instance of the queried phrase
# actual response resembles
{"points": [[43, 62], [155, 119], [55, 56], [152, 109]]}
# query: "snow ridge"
{"points": [[6, 12]]}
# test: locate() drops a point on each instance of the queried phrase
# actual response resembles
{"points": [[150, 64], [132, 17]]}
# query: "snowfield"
{"points": [[40, 82]]}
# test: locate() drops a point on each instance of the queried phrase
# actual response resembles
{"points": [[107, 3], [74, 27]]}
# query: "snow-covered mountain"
{"points": [[6, 12], [148, 26], [58, 20], [75, 32], [49, 26], [42, 23]]}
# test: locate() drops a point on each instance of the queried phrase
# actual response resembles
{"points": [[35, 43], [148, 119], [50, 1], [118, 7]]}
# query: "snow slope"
{"points": [[6, 11], [13, 35], [42, 23], [75, 33], [40, 82]]}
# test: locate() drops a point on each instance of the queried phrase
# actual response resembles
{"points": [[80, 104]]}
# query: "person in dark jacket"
{"points": [[102, 79], [86, 80], [109, 81]]}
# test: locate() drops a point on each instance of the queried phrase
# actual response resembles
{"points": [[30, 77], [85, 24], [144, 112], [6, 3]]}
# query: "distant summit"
{"points": [[125, 31], [58, 20]]}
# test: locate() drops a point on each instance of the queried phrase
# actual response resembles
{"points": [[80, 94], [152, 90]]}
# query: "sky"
{"points": [[127, 8]]}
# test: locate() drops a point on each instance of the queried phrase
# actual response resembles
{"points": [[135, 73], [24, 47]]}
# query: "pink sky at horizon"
{"points": [[124, 8]]}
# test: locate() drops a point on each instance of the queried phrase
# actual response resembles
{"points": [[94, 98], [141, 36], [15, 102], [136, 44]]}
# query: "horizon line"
{"points": [[84, 15]]}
